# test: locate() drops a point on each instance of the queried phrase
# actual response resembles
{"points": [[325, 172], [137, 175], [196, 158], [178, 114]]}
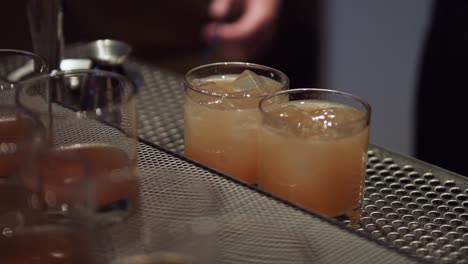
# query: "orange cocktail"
{"points": [[313, 149], [222, 117]]}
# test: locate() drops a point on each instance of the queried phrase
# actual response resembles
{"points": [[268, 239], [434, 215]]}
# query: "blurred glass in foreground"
{"points": [[90, 122], [15, 67], [181, 225]]}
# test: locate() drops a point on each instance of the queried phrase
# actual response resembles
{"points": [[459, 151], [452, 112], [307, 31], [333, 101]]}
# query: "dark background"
{"points": [[167, 32]]}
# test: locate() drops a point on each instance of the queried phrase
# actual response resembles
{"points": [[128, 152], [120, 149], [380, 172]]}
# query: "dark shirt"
{"points": [[441, 132]]}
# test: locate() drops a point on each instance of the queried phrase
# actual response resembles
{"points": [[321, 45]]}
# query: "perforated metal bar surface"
{"points": [[416, 207], [431, 224], [255, 228], [409, 205]]}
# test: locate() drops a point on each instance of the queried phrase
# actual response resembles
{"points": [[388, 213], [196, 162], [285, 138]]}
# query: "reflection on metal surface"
{"points": [[407, 205], [415, 207], [108, 52], [404, 202]]}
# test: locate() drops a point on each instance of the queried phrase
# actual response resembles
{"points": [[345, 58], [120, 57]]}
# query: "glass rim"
{"points": [[44, 66], [364, 103], [233, 63], [71, 73]]}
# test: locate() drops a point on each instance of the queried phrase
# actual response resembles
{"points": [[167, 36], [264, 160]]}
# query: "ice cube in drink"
{"points": [[222, 119], [251, 84], [315, 155]]}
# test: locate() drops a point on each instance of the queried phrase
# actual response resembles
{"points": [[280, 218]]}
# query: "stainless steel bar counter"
{"points": [[413, 212], [409, 205]]}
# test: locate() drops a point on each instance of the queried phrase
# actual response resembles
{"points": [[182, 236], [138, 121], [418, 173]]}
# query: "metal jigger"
{"points": [[108, 54]]}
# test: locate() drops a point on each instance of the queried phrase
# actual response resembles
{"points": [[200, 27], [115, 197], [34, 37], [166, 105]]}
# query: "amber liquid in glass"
{"points": [[221, 132], [13, 133], [46, 244], [98, 175], [320, 166]]}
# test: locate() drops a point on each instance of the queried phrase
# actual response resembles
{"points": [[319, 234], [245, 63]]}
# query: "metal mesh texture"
{"points": [[250, 227], [254, 228], [409, 205], [160, 106], [416, 207]]}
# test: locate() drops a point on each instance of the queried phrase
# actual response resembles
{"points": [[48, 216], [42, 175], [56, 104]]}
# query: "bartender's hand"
{"points": [[244, 38]]}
